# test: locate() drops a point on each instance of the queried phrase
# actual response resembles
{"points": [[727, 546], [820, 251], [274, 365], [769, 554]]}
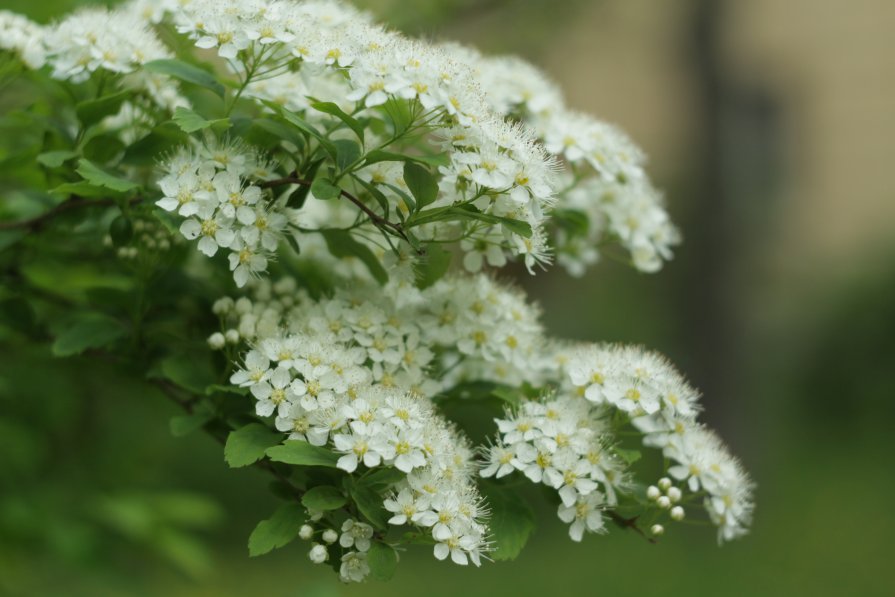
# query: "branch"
{"points": [[629, 523], [378, 220], [73, 202]]}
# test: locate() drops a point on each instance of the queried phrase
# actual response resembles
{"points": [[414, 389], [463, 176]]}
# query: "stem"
{"points": [[377, 220], [629, 523]]}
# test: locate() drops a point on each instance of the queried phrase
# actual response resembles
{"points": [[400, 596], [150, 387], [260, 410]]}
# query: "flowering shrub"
{"points": [[360, 190]]}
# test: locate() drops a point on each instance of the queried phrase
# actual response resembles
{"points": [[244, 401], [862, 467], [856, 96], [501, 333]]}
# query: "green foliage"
{"points": [[88, 330], [190, 122], [342, 244], [186, 72], [302, 453], [248, 444], [323, 498], [383, 560], [96, 176], [421, 183], [278, 530], [512, 521]]}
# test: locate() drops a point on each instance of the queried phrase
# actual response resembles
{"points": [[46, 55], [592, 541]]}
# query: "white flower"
{"points": [[354, 567], [585, 514], [356, 534]]}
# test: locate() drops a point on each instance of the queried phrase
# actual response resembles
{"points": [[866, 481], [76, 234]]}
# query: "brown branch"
{"points": [[378, 220], [74, 202], [629, 523]]}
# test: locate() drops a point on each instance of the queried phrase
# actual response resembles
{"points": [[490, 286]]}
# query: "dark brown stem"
{"points": [[374, 217], [74, 202], [629, 523]]}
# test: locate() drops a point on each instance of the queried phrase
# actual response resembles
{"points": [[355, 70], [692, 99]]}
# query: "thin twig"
{"points": [[629, 523], [378, 220]]}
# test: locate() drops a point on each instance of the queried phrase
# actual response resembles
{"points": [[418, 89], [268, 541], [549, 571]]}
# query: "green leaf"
{"points": [[335, 110], [511, 522], [183, 425], [342, 244], [300, 195], [91, 331], [121, 230], [383, 560], [188, 372], [572, 220], [302, 453], [323, 498], [369, 502], [400, 114], [247, 444], [421, 183], [276, 130], [190, 122], [54, 159], [299, 122], [99, 177], [380, 155], [629, 456], [162, 139], [92, 111], [508, 395], [347, 153], [81, 189], [432, 266], [278, 530], [382, 478], [186, 72], [323, 188]]}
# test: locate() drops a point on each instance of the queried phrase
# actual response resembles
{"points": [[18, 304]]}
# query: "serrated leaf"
{"points": [[92, 111], [511, 522], [91, 331], [421, 183], [335, 110], [278, 530], [302, 453], [382, 560], [342, 244], [54, 159], [247, 444], [81, 189], [324, 189], [99, 177], [186, 72], [369, 502], [323, 498], [190, 122]]}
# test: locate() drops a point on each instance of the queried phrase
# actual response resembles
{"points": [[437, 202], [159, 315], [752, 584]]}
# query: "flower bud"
{"points": [[216, 341], [657, 529], [232, 337], [222, 306], [663, 502], [652, 492], [674, 494], [330, 536], [306, 532], [243, 305], [318, 554], [677, 513], [664, 483]]}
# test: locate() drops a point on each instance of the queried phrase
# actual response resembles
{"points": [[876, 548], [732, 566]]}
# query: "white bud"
{"points": [[318, 554], [664, 483], [663, 502], [216, 341], [674, 494], [657, 529], [652, 492], [677, 513], [232, 337], [243, 305], [222, 306], [306, 532], [330, 536]]}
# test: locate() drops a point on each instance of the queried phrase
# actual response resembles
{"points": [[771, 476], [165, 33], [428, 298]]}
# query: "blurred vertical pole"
{"points": [[734, 183]]}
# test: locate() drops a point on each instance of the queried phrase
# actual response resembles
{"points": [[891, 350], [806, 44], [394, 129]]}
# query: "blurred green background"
{"points": [[769, 124]]}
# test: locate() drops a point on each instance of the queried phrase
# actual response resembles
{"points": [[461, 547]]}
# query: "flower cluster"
{"points": [[561, 442], [23, 37], [213, 187]]}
